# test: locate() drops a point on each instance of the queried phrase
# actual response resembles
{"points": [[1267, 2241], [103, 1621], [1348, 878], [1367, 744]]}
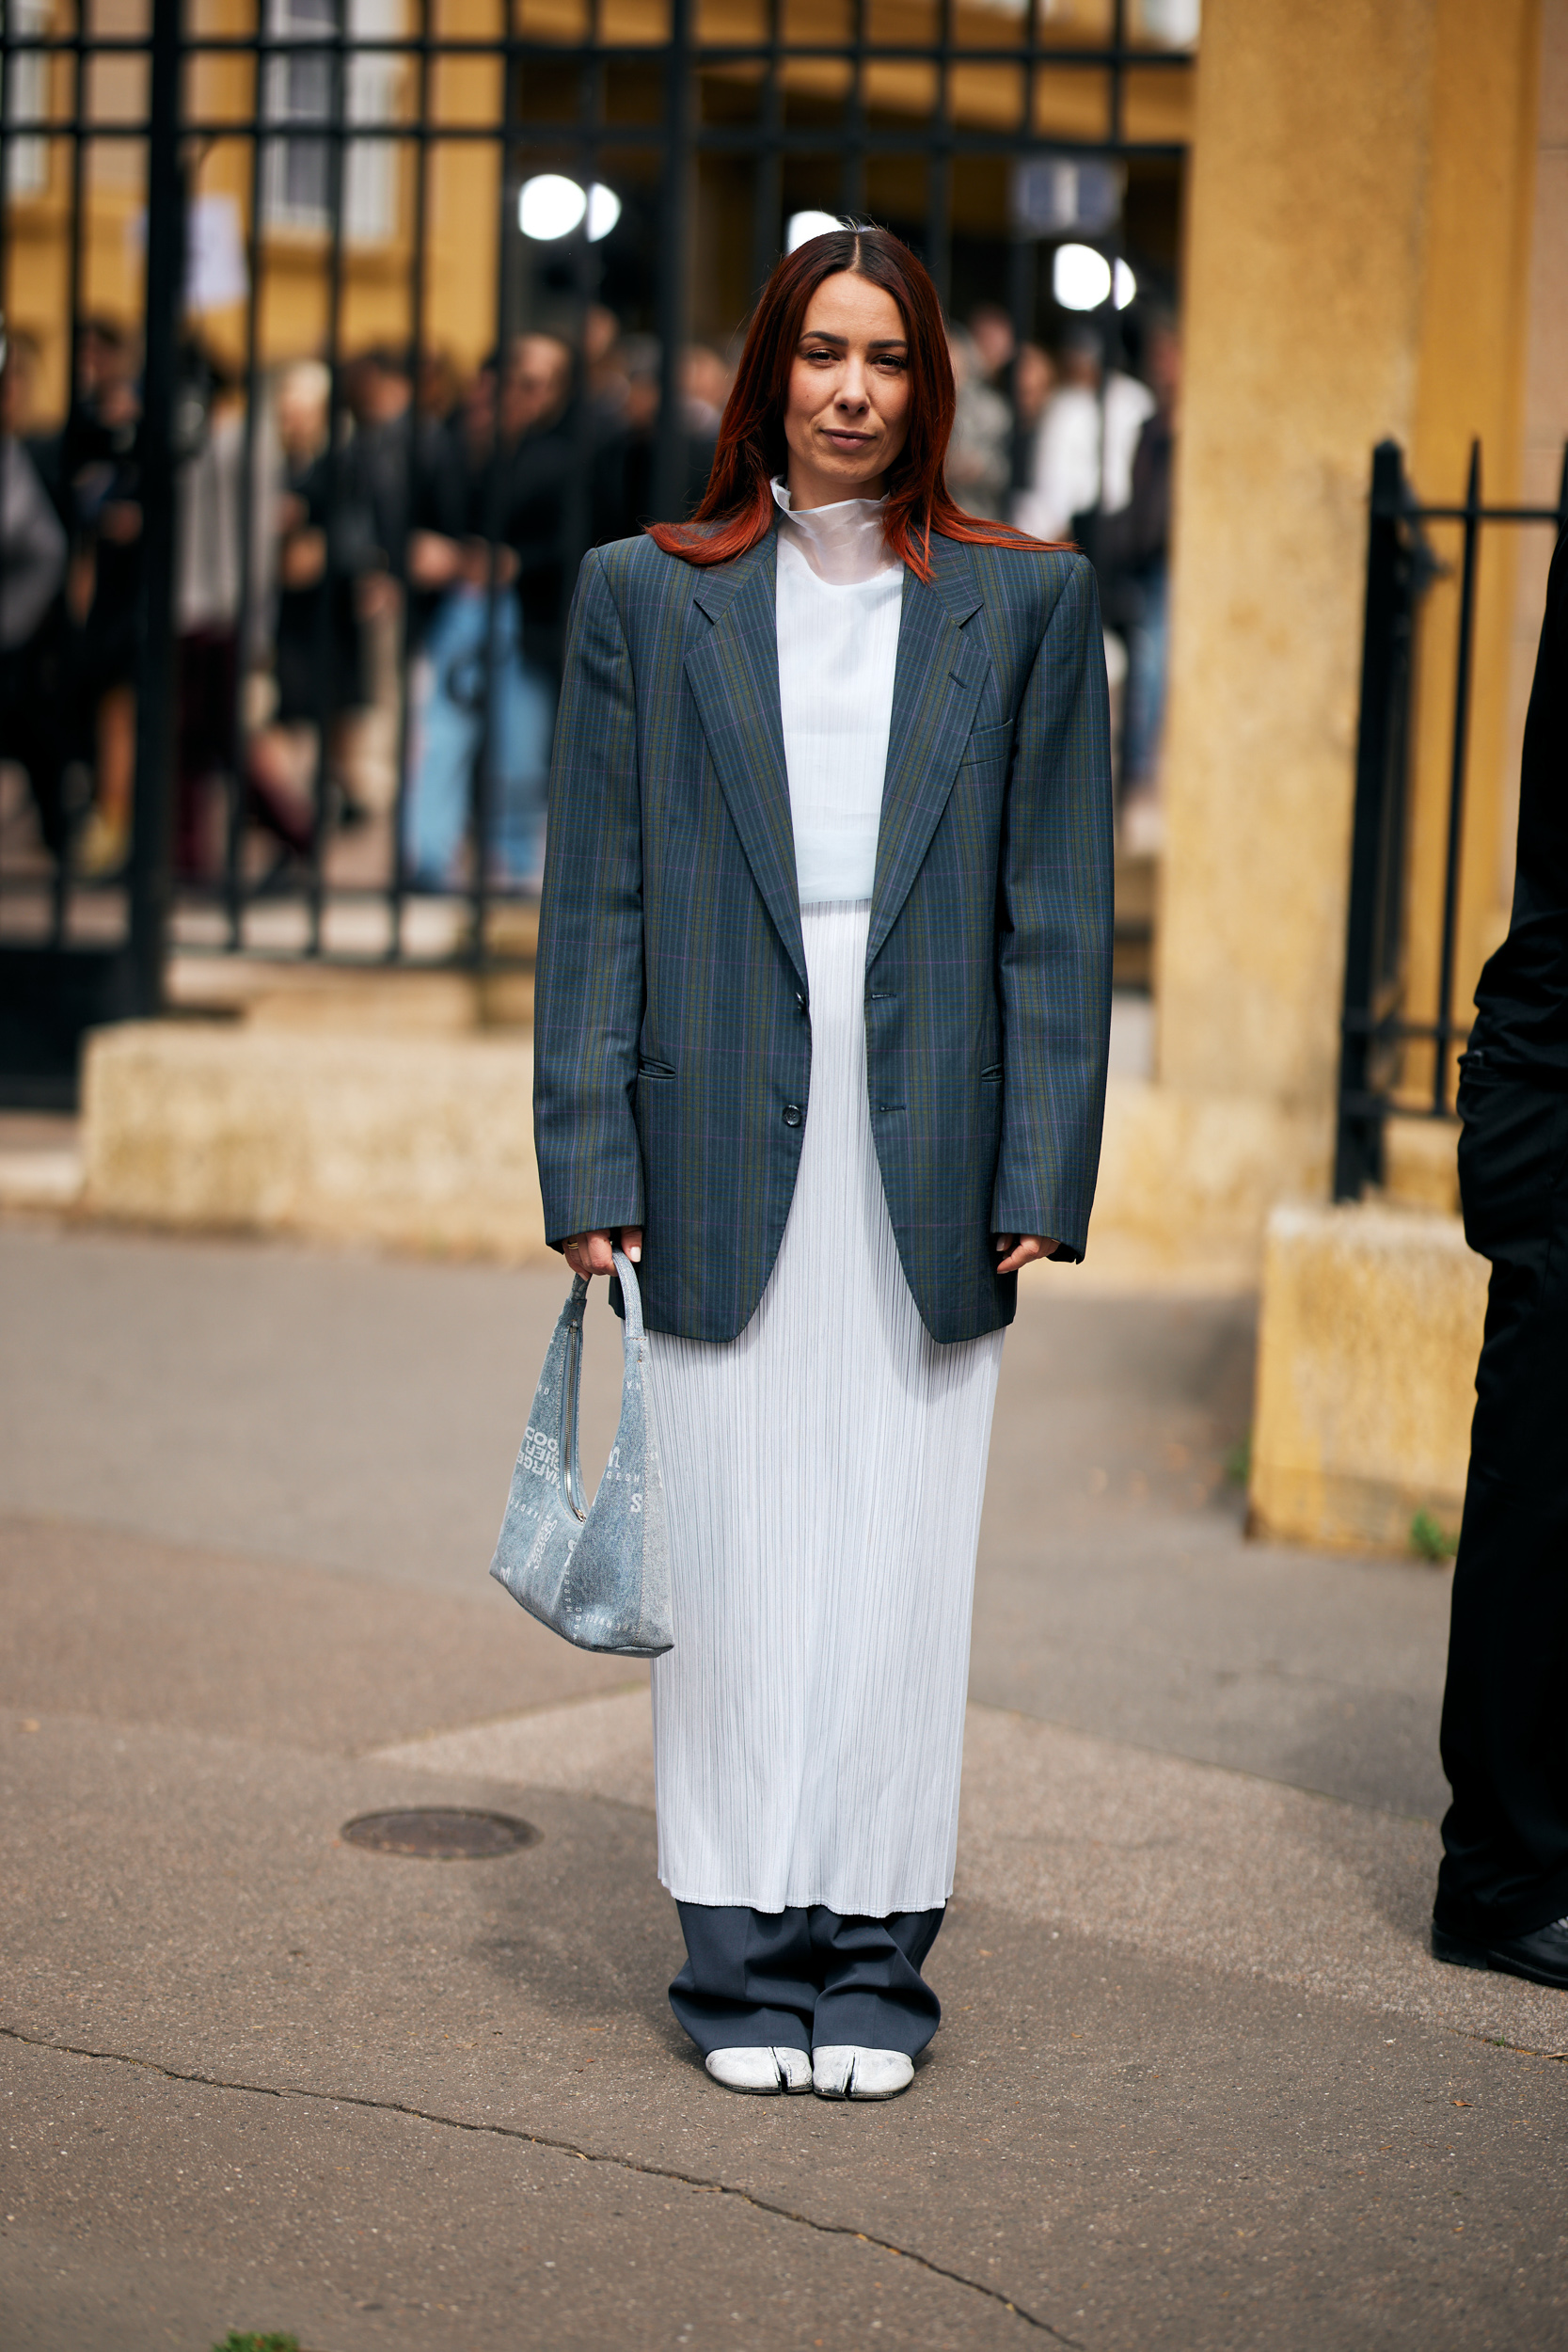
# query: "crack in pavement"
{"points": [[560, 2147]]}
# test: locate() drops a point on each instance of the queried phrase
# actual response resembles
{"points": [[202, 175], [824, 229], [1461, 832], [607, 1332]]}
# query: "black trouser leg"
{"points": [[799, 1978], [747, 1980], [1505, 1707], [873, 1996]]}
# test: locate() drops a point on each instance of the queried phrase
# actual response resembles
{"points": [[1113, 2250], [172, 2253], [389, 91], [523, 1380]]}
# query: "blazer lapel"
{"points": [[733, 669], [936, 688]]}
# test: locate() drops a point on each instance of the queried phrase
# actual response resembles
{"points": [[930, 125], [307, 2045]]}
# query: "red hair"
{"points": [[738, 507]]}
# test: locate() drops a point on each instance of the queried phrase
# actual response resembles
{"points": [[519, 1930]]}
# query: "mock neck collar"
{"points": [[842, 543]]}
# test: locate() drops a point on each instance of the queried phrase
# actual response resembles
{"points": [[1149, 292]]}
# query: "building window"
{"points": [[299, 91], [26, 99]]}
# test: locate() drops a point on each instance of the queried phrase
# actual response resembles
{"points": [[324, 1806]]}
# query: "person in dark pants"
{"points": [[1502, 1889]]}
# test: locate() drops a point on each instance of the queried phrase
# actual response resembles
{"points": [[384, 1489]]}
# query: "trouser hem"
{"points": [[1482, 1923]]}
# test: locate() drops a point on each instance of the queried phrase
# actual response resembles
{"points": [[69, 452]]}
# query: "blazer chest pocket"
{"points": [[986, 747], [657, 1071]]}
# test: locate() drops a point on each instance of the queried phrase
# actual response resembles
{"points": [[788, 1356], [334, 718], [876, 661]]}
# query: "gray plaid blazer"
{"points": [[671, 1018]]}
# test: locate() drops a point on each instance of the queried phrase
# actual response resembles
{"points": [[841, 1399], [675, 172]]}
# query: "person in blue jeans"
{"points": [[475, 637]]}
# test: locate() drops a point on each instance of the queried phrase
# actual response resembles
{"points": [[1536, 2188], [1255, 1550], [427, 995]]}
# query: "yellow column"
{"points": [[1357, 260]]}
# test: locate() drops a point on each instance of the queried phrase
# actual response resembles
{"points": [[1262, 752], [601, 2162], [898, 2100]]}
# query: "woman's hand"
{"points": [[590, 1253], [1018, 1249]]}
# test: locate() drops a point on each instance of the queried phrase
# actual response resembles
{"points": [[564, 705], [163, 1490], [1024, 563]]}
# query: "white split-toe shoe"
{"points": [[761, 2070], [847, 2072]]}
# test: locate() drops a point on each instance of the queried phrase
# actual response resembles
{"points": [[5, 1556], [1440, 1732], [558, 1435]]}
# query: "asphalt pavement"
{"points": [[1199, 2082]]}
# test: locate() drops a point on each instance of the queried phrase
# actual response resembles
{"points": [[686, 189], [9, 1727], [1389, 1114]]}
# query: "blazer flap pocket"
{"points": [[986, 743]]}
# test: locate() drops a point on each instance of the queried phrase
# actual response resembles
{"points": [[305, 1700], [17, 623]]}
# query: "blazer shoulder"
{"points": [[637, 569], [1027, 585]]}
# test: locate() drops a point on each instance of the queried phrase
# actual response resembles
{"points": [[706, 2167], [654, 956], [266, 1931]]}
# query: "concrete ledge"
{"points": [[1187, 1181], [40, 1180], [424, 1139], [1370, 1327], [426, 1143]]}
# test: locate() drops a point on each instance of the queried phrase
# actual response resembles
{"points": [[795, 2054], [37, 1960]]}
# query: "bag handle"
{"points": [[567, 1455], [631, 1298]]}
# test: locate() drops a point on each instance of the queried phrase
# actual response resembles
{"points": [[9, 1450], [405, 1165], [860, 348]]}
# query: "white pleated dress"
{"points": [[824, 1471]]}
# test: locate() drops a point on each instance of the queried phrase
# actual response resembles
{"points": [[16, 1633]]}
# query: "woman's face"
{"points": [[847, 413]]}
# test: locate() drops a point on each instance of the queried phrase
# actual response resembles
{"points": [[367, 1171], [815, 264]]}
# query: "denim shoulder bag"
{"points": [[599, 1577]]}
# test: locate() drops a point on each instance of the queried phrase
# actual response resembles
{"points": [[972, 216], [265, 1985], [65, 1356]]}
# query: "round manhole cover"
{"points": [[440, 1834]]}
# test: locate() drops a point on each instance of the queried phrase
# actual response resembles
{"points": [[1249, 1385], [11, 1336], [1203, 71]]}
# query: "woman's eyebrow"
{"points": [[879, 343]]}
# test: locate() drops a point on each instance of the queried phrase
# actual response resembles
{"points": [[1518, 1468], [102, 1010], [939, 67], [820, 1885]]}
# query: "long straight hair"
{"points": [[737, 506]]}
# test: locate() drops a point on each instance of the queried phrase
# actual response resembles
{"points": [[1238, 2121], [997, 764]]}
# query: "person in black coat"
{"points": [[1502, 1889]]}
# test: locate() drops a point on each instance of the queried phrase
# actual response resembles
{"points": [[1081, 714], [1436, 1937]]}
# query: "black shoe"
{"points": [[1542, 1956]]}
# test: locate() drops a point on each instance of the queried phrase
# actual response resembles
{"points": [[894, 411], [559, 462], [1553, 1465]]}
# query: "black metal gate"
{"points": [[704, 125], [1376, 1023]]}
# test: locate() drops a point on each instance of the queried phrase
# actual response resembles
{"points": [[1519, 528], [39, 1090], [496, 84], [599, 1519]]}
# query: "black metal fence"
{"points": [[691, 130], [1377, 1024]]}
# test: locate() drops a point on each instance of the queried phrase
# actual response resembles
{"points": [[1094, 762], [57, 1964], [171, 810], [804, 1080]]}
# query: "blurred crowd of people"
{"points": [[410, 556], [1069, 445]]}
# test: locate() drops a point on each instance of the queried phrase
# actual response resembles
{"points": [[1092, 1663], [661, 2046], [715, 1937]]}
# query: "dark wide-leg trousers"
{"points": [[805, 1980], [1505, 1709]]}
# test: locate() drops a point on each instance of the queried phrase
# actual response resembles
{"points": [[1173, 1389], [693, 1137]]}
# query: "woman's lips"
{"points": [[848, 441]]}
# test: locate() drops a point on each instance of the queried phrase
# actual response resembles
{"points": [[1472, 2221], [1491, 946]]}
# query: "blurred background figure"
{"points": [[34, 652], [1034, 381], [604, 378], [624, 461], [980, 453], [403, 471], [1133, 557], [321, 542], [496, 577], [208, 541], [89, 468], [1082, 464]]}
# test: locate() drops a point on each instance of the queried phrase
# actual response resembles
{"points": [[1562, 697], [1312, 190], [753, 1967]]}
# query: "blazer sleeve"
{"points": [[1055, 924], [588, 981]]}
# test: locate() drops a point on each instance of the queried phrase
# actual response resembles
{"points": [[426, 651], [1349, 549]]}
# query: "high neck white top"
{"points": [[839, 598]]}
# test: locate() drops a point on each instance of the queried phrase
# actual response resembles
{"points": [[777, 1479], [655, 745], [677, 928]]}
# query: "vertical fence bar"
{"points": [[151, 835], [234, 830], [1022, 268], [75, 231], [6, 154], [852, 173], [768, 184], [1456, 779], [1116, 112], [397, 882], [326, 680], [1358, 1141], [938, 169], [495, 515], [577, 518], [670, 466]]}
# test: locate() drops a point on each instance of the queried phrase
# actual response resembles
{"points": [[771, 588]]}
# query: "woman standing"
{"points": [[821, 1027]]}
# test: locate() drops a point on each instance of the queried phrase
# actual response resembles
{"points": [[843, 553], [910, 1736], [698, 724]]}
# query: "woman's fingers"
{"points": [[591, 1253], [1021, 1250]]}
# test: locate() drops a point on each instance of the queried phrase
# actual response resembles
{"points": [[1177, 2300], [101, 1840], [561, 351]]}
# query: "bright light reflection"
{"points": [[804, 225], [551, 206], [1080, 277], [1126, 285], [604, 210]]}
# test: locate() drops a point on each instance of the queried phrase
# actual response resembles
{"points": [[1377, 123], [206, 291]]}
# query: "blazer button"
{"points": [[791, 1114]]}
